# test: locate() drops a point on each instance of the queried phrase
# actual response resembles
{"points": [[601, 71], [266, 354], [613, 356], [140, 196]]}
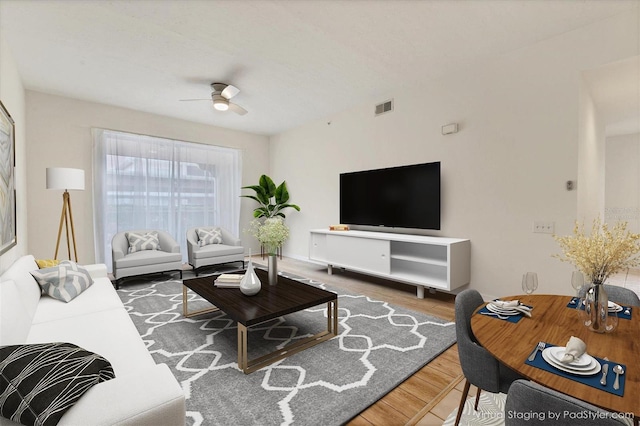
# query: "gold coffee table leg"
{"points": [[249, 366], [185, 308], [242, 348], [332, 317]]}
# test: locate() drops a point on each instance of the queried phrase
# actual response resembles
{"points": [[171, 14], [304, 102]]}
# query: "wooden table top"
{"points": [[554, 323], [273, 301]]}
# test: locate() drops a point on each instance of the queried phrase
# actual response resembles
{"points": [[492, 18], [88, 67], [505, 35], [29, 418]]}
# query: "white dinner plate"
{"points": [[501, 311], [570, 368], [614, 307], [584, 362], [564, 367]]}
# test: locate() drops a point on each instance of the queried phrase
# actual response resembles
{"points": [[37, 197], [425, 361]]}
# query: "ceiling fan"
{"points": [[220, 96]]}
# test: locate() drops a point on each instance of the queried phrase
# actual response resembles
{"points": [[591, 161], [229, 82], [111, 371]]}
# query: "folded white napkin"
{"points": [[513, 305], [574, 349], [506, 304]]}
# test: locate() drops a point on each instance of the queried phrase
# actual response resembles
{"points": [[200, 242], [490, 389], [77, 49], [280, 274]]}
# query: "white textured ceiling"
{"points": [[294, 61]]}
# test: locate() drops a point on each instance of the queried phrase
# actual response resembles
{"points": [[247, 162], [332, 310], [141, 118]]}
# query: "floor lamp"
{"points": [[65, 178]]}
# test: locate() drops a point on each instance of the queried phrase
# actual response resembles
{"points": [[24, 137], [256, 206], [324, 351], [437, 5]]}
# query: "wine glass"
{"points": [[577, 282], [529, 282], [612, 322], [584, 312]]}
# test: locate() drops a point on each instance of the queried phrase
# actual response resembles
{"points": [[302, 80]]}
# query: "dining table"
{"points": [[554, 320]]}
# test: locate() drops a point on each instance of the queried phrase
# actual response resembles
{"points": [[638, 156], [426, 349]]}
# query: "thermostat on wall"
{"points": [[450, 128]]}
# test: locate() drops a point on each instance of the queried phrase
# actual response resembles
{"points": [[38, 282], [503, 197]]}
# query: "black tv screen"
{"points": [[402, 197]]}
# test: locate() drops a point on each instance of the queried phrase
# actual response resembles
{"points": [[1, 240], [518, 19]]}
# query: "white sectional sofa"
{"points": [[142, 393]]}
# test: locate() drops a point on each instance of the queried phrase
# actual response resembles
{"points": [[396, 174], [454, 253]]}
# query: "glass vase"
{"points": [[596, 308]]}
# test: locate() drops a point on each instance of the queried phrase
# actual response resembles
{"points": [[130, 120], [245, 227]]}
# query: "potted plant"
{"points": [[272, 232], [272, 199]]}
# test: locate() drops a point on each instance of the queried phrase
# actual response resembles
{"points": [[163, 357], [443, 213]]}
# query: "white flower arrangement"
{"points": [[602, 253], [271, 233]]}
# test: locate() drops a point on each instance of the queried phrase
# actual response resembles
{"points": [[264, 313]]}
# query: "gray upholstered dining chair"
{"points": [[480, 368], [620, 295], [531, 403]]}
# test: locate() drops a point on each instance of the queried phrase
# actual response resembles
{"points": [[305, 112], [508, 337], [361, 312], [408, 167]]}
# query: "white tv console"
{"points": [[432, 262]]}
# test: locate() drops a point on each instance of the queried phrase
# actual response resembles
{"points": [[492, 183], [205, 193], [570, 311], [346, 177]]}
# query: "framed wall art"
{"points": [[8, 226]]}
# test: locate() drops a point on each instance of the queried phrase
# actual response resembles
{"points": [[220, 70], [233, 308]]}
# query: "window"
{"points": [[144, 182]]}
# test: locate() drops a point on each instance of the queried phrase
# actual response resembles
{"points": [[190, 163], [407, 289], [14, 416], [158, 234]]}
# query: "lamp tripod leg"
{"points": [[66, 228], [73, 231], [63, 216], [66, 219]]}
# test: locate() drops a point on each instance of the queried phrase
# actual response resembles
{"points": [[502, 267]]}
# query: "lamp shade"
{"points": [[65, 178]]}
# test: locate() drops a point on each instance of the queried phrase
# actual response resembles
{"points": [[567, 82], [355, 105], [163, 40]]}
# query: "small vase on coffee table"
{"points": [[273, 269], [250, 283]]}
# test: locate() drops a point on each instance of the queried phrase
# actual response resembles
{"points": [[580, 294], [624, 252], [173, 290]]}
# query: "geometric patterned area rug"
{"points": [[490, 411], [378, 346]]}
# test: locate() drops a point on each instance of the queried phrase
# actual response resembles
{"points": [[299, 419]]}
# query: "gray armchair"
{"points": [[531, 399], [229, 250], [479, 367], [165, 258]]}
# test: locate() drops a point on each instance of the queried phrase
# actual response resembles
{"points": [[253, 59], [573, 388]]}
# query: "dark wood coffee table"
{"points": [[273, 301]]}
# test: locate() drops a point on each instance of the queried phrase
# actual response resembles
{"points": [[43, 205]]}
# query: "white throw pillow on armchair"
{"points": [[208, 236], [139, 241]]}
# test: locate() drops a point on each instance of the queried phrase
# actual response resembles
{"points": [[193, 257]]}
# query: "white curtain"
{"points": [[144, 182]]}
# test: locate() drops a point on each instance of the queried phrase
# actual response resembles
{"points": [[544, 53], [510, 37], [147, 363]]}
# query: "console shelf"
{"points": [[431, 262], [417, 259]]}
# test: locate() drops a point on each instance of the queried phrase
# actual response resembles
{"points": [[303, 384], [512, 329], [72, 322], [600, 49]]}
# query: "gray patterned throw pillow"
{"points": [[139, 241], [208, 236], [63, 282], [40, 382]]}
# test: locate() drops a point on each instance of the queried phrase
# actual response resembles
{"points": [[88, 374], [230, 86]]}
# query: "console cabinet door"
{"points": [[318, 247], [362, 254]]}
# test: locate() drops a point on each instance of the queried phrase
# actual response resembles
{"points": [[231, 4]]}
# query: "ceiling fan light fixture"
{"points": [[220, 103], [220, 106]]}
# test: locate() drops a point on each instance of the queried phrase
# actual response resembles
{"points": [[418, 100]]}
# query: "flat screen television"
{"points": [[402, 197]]}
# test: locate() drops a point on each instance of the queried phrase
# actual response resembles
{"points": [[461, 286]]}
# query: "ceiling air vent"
{"points": [[384, 107]]}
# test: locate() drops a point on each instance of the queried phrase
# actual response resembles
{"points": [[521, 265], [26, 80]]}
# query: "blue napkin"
{"points": [[593, 381], [574, 303]]}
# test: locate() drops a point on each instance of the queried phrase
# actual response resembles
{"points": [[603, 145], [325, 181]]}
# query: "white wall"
{"points": [[506, 168], [622, 182], [13, 97], [60, 136], [591, 157]]}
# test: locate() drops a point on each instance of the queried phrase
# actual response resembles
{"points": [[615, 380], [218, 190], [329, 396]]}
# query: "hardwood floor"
{"points": [[427, 397]]}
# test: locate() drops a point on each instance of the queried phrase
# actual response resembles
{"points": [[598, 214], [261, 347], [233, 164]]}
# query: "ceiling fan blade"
{"points": [[188, 100], [237, 108], [230, 91]]}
